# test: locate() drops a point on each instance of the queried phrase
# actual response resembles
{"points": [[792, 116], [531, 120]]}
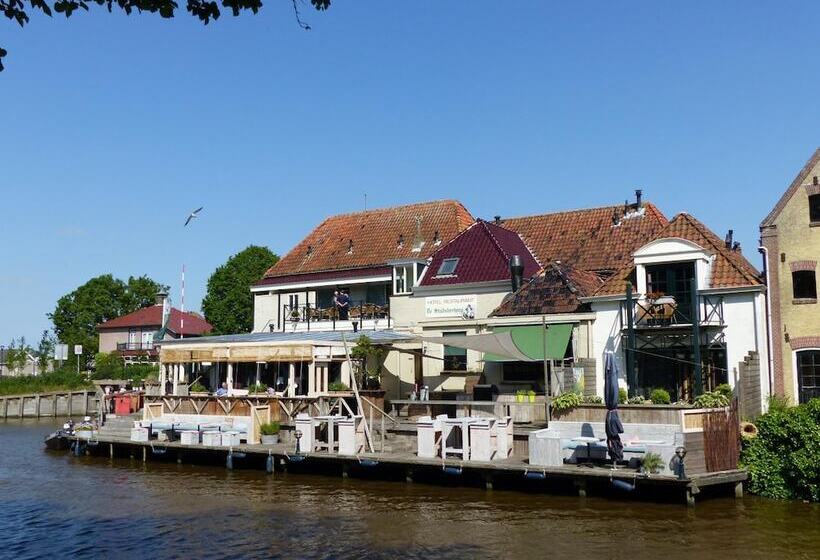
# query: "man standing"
{"points": [[343, 304]]}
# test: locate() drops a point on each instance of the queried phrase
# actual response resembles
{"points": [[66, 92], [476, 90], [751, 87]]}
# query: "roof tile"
{"points": [[556, 289], [152, 317]]}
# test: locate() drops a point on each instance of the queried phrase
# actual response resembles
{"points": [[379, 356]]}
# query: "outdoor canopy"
{"points": [[513, 344]]}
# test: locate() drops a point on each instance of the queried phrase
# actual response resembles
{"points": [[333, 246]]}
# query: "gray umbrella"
{"points": [[612, 425]]}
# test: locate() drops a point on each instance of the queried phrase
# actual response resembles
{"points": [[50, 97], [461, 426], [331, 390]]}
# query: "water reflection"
{"points": [[57, 504]]}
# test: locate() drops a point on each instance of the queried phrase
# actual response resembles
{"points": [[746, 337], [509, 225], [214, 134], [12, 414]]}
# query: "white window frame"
{"points": [[409, 280], [443, 262]]}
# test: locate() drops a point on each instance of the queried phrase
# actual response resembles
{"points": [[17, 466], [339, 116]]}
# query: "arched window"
{"points": [[808, 374]]}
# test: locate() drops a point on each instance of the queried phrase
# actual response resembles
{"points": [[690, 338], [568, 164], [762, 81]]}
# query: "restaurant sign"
{"points": [[464, 307]]}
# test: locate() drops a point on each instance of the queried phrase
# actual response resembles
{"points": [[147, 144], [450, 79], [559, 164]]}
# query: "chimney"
{"points": [[736, 247], [638, 197], [497, 220], [161, 296], [729, 238], [516, 272]]}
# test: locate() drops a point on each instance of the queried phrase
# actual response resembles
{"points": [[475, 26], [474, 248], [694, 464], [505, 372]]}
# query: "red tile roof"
{"points": [[556, 289], [730, 269], [483, 252], [152, 317], [796, 184], [594, 239], [375, 236]]}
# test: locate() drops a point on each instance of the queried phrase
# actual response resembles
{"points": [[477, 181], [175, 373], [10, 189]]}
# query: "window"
{"points": [[403, 279], [804, 284], [455, 359], [808, 374], [814, 208], [448, 266]]}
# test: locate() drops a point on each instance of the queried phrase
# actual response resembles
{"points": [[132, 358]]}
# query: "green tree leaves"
{"points": [[102, 298], [228, 303]]}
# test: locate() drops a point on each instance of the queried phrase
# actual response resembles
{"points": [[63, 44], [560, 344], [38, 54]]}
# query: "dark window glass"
{"points": [[808, 374], [804, 284], [448, 266], [455, 359], [814, 208], [524, 371]]}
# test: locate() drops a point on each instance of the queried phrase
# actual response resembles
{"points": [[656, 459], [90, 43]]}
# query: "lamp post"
{"points": [[680, 453], [298, 435]]}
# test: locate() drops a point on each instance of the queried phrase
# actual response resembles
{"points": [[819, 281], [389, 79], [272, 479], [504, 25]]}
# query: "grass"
{"points": [[60, 380]]}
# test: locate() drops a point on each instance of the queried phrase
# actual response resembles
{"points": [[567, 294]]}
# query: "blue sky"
{"points": [[112, 128]]}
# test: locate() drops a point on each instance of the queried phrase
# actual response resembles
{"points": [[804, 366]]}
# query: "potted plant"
{"points": [[531, 395], [652, 463], [258, 389], [519, 395], [197, 389], [294, 315], [270, 433], [338, 387]]}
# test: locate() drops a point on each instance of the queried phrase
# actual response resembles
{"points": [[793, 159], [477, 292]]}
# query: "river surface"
{"points": [[54, 505]]}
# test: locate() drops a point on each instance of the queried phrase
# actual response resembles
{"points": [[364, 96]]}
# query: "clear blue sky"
{"points": [[112, 128]]}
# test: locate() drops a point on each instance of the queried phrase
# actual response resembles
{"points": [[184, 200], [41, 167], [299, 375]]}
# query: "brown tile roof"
{"points": [[556, 289], [798, 181], [483, 251], [730, 269], [593, 239], [151, 316], [375, 238]]}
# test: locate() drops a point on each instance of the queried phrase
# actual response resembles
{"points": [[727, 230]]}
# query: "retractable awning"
{"points": [[529, 340], [498, 344]]}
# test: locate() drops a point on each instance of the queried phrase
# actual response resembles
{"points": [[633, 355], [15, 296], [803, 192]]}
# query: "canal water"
{"points": [[55, 505]]}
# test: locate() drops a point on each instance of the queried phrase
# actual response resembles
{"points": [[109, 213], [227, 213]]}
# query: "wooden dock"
{"points": [[513, 473]]}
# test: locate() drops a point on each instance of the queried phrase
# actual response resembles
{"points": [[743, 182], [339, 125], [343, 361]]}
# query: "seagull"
{"points": [[192, 215]]}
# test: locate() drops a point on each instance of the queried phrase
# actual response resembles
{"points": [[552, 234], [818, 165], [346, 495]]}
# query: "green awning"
{"points": [[530, 340]]}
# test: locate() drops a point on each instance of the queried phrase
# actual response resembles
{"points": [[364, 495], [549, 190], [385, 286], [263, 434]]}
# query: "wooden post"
{"points": [[738, 490], [22, 406], [690, 498], [144, 454], [581, 485], [54, 405], [37, 406], [70, 402], [408, 475], [488, 481], [111, 450]]}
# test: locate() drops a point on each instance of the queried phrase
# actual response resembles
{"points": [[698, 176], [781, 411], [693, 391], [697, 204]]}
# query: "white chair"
{"points": [[351, 435], [504, 437], [483, 446], [428, 437], [305, 424]]}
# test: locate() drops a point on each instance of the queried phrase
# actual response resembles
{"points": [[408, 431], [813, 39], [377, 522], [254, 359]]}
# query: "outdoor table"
{"points": [[588, 441], [447, 427]]}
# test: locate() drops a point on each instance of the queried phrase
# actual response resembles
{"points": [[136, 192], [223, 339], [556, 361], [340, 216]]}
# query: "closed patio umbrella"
{"points": [[612, 425]]}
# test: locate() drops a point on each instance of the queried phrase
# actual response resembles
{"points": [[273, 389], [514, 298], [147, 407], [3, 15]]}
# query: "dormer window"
{"points": [[447, 267], [350, 247], [403, 278], [814, 208]]}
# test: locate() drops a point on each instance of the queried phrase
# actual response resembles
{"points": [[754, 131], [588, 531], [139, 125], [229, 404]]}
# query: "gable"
{"points": [[808, 171]]}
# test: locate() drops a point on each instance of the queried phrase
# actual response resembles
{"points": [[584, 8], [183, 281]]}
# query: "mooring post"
{"points": [[37, 406], [408, 475], [144, 454], [581, 485], [179, 458], [111, 450], [345, 472], [690, 498], [738, 490], [54, 405], [488, 481]]}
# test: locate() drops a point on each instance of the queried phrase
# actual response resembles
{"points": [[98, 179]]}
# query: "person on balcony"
{"points": [[342, 301]]}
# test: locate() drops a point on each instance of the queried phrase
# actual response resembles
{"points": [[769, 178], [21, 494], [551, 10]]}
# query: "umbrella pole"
{"points": [[547, 380]]}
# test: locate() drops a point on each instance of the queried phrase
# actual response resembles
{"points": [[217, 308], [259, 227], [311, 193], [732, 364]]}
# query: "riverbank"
{"points": [[103, 508], [60, 380]]}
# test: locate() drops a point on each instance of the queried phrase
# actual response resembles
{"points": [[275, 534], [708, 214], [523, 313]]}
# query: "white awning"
{"points": [[500, 344]]}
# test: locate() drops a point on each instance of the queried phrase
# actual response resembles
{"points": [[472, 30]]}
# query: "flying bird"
{"points": [[192, 215]]}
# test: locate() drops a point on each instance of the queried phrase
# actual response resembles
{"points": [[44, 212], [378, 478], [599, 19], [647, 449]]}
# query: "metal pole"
{"points": [[631, 381], [698, 370], [547, 376], [355, 386]]}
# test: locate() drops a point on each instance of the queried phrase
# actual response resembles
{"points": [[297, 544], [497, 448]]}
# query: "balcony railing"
{"points": [[135, 346], [359, 312], [666, 312]]}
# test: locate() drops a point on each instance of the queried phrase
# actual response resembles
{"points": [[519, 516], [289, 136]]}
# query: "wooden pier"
{"points": [[44, 405], [513, 473]]}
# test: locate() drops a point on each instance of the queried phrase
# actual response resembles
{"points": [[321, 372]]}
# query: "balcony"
{"points": [[361, 316], [135, 347], [665, 312]]}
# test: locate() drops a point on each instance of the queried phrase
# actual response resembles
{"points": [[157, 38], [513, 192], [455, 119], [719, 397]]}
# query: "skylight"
{"points": [[448, 267]]}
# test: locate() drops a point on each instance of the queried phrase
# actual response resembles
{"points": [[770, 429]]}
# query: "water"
{"points": [[57, 505]]}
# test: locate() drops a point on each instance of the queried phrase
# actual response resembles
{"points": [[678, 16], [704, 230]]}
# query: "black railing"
{"points": [[357, 311], [666, 311], [135, 346]]}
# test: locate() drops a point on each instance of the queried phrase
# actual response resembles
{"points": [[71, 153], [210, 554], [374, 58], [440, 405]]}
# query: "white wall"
{"points": [[744, 315], [606, 336]]}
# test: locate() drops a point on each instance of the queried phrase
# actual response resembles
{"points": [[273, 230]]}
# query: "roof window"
{"points": [[448, 267]]}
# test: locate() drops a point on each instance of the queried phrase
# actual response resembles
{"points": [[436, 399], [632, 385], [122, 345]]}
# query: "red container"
{"points": [[122, 405]]}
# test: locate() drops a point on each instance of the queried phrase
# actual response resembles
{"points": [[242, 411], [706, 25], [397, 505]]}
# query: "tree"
{"points": [[77, 314], [205, 10], [228, 302], [45, 351], [17, 355], [371, 358]]}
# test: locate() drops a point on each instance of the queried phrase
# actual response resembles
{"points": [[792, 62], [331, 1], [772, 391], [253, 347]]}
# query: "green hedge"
{"points": [[784, 459], [59, 380]]}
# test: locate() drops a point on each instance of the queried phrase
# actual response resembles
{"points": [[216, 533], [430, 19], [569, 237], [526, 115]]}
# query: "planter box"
{"points": [[85, 434], [270, 440], [139, 434], [686, 417], [212, 439], [230, 439], [189, 437]]}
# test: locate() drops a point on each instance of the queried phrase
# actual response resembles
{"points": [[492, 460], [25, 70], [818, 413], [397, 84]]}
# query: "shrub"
{"points": [[258, 388], [593, 399], [784, 459], [623, 396], [566, 401], [197, 387], [338, 386], [59, 380], [652, 462], [637, 399], [660, 396], [711, 399], [270, 429], [778, 403], [725, 390]]}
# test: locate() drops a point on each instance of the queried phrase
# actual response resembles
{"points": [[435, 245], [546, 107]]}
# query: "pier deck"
{"points": [[577, 478]]}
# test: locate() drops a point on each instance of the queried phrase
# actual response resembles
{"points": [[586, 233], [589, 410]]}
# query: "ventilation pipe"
{"points": [[516, 272], [638, 197], [729, 238]]}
